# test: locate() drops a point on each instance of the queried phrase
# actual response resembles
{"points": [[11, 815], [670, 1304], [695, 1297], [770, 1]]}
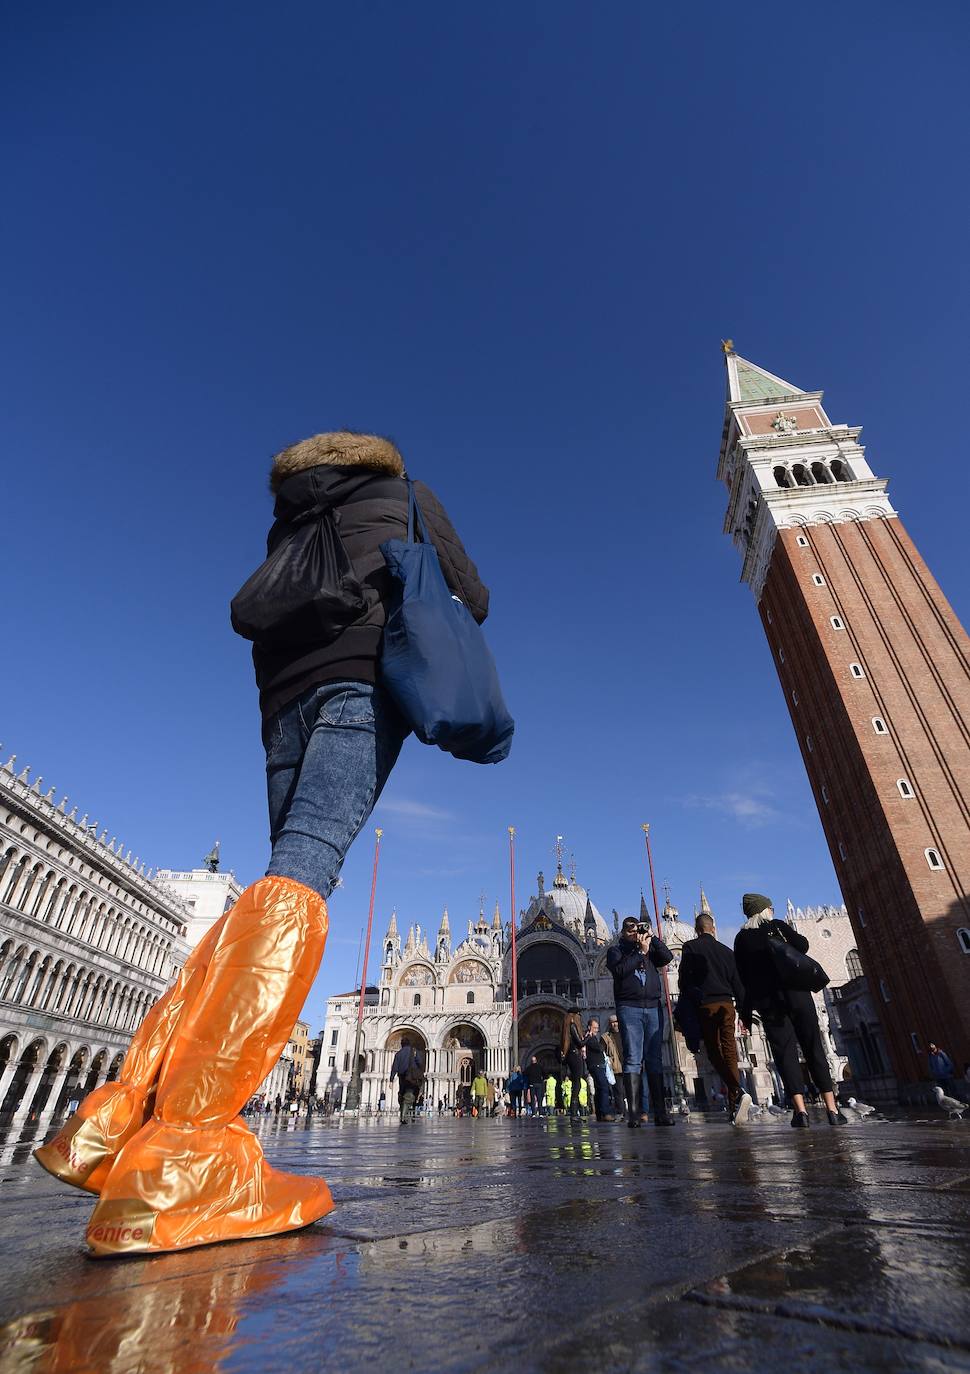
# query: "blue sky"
{"points": [[511, 237]]}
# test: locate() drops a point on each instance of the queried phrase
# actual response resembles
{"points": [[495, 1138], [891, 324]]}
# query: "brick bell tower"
{"points": [[875, 668]]}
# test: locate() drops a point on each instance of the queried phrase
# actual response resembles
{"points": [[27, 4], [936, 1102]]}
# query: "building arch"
{"points": [[416, 974], [20, 1085]]}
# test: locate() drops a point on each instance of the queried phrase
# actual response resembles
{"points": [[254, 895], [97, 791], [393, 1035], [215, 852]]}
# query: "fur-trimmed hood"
{"points": [[341, 448]]}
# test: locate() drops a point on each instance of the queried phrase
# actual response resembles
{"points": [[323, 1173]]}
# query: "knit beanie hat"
{"points": [[753, 904]]}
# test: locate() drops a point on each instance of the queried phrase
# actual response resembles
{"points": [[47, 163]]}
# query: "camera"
{"points": [[643, 928]]}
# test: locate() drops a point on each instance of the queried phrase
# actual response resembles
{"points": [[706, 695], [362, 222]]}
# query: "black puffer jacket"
{"points": [[362, 477], [756, 968], [624, 959]]}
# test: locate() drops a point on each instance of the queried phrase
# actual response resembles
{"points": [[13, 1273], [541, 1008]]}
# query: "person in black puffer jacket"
{"points": [[788, 1016], [180, 1169]]}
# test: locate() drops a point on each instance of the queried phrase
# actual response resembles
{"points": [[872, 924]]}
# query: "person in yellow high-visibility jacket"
{"points": [[551, 1082], [567, 1093], [583, 1098]]}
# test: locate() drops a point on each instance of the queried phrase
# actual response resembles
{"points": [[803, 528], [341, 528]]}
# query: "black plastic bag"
{"points": [[305, 592]]}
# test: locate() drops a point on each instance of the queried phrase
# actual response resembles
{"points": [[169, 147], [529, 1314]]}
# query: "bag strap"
{"points": [[415, 510]]}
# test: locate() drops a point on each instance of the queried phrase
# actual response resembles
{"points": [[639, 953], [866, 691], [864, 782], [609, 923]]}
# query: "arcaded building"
{"points": [[88, 942]]}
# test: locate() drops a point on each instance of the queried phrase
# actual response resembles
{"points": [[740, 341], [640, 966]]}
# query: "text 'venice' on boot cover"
{"points": [[85, 1147], [194, 1174]]}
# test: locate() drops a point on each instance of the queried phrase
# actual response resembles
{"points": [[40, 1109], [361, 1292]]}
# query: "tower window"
{"points": [[818, 580], [884, 989], [853, 964], [801, 541], [334, 1036], [808, 743], [470, 999], [802, 476], [821, 473], [768, 616], [856, 670], [862, 918], [794, 697], [825, 794], [933, 859], [416, 1000], [905, 790], [879, 725], [840, 470], [781, 655], [914, 1041], [782, 478], [843, 852], [963, 938], [836, 623]]}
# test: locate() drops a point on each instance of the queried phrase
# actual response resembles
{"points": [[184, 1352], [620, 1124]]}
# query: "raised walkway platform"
{"points": [[479, 1245]]}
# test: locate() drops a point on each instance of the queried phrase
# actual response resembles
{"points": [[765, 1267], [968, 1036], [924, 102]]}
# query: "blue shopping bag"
{"points": [[435, 662]]}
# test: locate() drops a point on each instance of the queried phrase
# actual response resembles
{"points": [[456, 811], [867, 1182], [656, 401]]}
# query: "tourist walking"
{"points": [[479, 1092], [709, 974], [571, 1049], [634, 962], [941, 1066], [537, 1085], [515, 1087], [788, 1015], [596, 1062], [408, 1068], [163, 1145], [613, 1044]]}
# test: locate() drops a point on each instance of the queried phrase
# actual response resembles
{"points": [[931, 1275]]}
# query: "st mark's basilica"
{"points": [[453, 1001]]}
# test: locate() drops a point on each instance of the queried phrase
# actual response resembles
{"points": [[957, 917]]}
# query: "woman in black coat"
{"points": [[788, 1016], [571, 1047]]}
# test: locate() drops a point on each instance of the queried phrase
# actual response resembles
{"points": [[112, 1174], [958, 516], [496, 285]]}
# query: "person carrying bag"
{"points": [[435, 661], [176, 1166]]}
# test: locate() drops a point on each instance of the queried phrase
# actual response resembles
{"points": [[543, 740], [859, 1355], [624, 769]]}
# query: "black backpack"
{"points": [[306, 591]]}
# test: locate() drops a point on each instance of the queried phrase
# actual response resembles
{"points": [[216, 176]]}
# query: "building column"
{"points": [[55, 1092], [30, 1088], [6, 1076]]}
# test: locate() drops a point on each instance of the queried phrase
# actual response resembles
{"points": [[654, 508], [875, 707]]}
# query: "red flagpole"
{"points": [[353, 1092], [663, 971], [370, 926], [515, 969]]}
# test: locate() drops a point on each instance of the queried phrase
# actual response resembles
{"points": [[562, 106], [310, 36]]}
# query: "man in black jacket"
{"points": [[709, 974], [637, 992]]}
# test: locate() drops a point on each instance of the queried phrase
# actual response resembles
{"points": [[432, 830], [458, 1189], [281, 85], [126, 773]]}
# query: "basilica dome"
{"points": [[568, 904]]}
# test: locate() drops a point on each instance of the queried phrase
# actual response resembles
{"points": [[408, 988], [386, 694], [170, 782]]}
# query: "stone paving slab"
{"points": [[478, 1245]]}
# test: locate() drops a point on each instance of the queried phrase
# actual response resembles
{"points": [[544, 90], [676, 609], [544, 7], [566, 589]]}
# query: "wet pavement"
{"points": [[476, 1245]]}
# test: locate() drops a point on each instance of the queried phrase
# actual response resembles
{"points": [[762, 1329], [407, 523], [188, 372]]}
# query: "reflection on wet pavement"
{"points": [[467, 1245]]}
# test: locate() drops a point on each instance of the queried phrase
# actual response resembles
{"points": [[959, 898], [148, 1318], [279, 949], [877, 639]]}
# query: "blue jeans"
{"points": [[642, 1032], [328, 755]]}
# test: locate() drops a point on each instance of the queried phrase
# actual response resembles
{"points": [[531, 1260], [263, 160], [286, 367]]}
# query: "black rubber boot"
{"points": [[632, 1087], [656, 1084]]}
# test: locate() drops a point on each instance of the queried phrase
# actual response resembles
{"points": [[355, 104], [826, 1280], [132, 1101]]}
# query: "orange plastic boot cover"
{"points": [[195, 1174], [84, 1149]]}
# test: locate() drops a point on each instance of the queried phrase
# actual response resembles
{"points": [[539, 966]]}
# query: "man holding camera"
{"points": [[634, 962]]}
